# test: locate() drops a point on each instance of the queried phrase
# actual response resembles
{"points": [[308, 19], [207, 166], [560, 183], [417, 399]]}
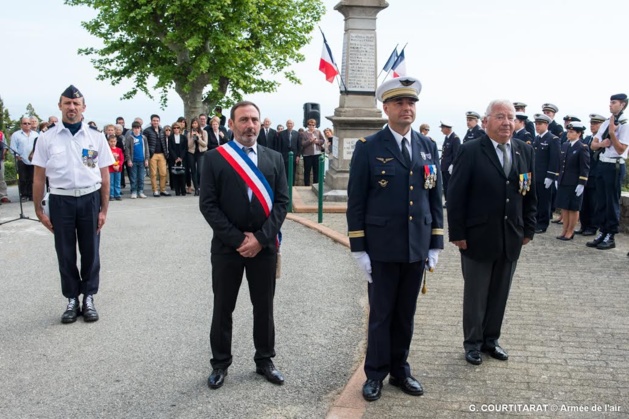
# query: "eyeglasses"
{"points": [[501, 117], [26, 123], [166, 130], [176, 128]]}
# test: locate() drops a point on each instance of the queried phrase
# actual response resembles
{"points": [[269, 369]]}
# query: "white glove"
{"points": [[363, 260], [556, 184], [548, 182], [45, 204], [450, 169], [433, 258], [579, 190]]}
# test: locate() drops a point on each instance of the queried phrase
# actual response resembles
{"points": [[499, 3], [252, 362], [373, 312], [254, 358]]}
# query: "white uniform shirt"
{"points": [[622, 133], [72, 162]]}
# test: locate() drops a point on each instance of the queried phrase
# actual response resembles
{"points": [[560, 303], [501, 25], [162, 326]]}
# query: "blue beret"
{"points": [[618, 96]]}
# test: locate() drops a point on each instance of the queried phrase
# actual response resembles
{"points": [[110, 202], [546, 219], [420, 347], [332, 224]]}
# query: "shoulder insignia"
{"points": [[362, 140], [384, 159]]}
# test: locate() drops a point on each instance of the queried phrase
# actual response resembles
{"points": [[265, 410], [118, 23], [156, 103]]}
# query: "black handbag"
{"points": [[178, 169]]}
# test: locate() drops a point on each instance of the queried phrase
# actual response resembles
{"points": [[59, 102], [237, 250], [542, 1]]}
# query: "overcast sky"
{"points": [[465, 53]]}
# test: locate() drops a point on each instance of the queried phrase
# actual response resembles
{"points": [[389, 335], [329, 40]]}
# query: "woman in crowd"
{"points": [[329, 136], [573, 174], [312, 144], [177, 151], [197, 145]]}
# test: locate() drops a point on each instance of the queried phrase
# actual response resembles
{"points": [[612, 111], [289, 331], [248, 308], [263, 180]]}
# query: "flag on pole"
{"points": [[391, 60], [327, 65], [399, 67]]}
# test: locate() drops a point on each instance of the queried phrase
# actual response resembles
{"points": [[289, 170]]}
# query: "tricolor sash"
{"points": [[249, 172]]}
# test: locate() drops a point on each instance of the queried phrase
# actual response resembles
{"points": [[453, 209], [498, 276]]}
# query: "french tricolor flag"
{"points": [[327, 65], [399, 67]]}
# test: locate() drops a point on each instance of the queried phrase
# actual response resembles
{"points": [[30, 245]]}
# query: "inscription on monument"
{"points": [[359, 57], [348, 147]]}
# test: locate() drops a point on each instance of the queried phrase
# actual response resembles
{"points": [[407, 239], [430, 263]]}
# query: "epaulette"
{"points": [[362, 140]]}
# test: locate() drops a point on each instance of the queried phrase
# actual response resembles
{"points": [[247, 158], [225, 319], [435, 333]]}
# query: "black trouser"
{"points": [[25, 184], [392, 302], [608, 187], [311, 163], [485, 295], [446, 180], [544, 196], [227, 273], [178, 183], [589, 215], [76, 220]]}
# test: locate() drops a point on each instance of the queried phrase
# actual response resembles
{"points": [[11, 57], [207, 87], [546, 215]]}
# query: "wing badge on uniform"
{"points": [[384, 159], [383, 183]]}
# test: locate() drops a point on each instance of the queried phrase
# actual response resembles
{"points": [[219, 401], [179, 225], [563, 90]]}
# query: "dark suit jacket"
{"points": [[524, 135], [575, 163], [212, 140], [225, 204], [267, 140], [283, 144], [177, 150], [390, 214], [547, 152], [485, 207]]}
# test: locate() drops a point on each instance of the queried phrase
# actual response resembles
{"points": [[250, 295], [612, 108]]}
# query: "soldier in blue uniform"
{"points": [[546, 147], [566, 121], [573, 175], [395, 222], [529, 126], [521, 133], [589, 217], [448, 152], [550, 110], [473, 130]]}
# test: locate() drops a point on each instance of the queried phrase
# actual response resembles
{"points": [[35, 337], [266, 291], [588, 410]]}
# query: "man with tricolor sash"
{"points": [[244, 198]]}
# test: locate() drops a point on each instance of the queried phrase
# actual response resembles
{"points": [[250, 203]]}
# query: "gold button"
{"points": [[383, 172], [411, 173], [411, 187], [411, 202], [410, 218], [507, 200], [507, 182]]}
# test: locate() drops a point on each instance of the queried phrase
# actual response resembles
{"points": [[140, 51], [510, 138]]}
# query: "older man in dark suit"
{"points": [[288, 140], [395, 221], [244, 198], [491, 214]]}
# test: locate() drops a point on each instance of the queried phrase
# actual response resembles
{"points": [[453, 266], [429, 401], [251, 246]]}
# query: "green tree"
{"points": [[5, 118], [30, 111], [210, 51]]}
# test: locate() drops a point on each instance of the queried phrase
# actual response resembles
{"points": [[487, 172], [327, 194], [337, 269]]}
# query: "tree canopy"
{"points": [[209, 51]]}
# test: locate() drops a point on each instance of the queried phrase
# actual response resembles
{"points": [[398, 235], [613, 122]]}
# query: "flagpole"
{"points": [[380, 73], [400, 54], [340, 76]]}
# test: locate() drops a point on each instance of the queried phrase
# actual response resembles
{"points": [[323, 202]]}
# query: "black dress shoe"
{"points": [[372, 390], [599, 239], [473, 357], [564, 238], [408, 385], [272, 374], [497, 353], [607, 243], [72, 311], [216, 378], [540, 230], [589, 232], [89, 311]]}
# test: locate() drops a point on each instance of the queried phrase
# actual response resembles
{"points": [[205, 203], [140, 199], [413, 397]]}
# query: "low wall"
{"points": [[624, 212]]}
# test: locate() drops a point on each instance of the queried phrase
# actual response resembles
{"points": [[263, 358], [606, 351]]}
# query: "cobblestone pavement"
{"points": [[566, 331]]}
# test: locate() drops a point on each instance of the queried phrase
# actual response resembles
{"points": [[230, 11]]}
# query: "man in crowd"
{"points": [[120, 121], [589, 216], [22, 142], [491, 214], [4, 199], [158, 150], [245, 217], [448, 152], [521, 133], [52, 121], [529, 126], [473, 130], [547, 152], [288, 140], [613, 139], [267, 134], [550, 110], [78, 202], [395, 222]]}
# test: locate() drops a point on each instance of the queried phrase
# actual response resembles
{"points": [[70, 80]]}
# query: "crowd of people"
{"points": [[170, 154]]}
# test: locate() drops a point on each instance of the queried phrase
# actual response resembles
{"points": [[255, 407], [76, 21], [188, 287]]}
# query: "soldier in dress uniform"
{"points": [[589, 216], [529, 126], [547, 151], [473, 130], [566, 121], [76, 160], [395, 222], [448, 152], [550, 110], [573, 175], [521, 133]]}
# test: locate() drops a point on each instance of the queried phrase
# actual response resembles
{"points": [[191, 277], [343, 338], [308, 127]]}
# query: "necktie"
{"points": [[506, 159], [247, 150], [405, 153]]}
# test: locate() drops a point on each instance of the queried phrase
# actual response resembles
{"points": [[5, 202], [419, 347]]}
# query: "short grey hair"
{"points": [[499, 102]]}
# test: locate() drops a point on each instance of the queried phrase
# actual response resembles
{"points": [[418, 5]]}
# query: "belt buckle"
{"points": [[77, 193]]}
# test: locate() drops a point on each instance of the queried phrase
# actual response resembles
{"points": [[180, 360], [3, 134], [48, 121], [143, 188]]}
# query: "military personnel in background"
{"points": [[589, 217], [566, 121], [448, 152], [521, 133], [546, 147], [395, 222], [473, 130], [550, 110], [529, 126], [424, 129], [613, 139]]}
